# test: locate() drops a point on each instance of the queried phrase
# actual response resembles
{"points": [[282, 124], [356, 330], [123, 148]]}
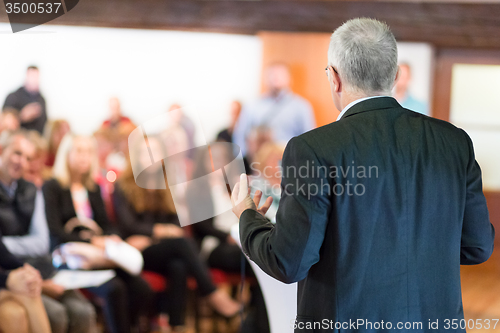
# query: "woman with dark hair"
{"points": [[75, 213], [148, 220]]}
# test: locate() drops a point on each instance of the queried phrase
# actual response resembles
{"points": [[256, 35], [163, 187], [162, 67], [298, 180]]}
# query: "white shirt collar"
{"points": [[350, 105]]}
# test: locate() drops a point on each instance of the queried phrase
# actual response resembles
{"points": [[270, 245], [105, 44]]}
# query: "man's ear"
{"points": [[336, 81], [397, 76]]}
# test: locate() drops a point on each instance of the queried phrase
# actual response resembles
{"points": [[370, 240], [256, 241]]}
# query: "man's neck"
{"points": [[400, 94], [5, 178], [31, 90], [275, 93], [348, 97]]}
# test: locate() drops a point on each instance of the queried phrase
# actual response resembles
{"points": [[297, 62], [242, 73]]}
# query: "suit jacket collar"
{"points": [[372, 104]]}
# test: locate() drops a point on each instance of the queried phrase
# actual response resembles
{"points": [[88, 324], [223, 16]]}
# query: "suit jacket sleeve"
{"points": [[287, 250], [477, 232]]}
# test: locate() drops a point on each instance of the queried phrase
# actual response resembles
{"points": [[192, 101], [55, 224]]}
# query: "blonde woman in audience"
{"points": [[75, 213]]}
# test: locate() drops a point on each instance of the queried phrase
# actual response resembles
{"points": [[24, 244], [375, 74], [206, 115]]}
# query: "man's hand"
{"points": [[25, 280], [51, 289], [30, 112], [242, 200]]}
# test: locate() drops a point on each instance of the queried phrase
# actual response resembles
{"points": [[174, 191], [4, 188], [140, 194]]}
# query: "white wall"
{"points": [[147, 69], [475, 107]]}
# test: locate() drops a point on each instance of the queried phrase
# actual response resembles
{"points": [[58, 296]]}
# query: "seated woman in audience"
{"points": [[213, 235], [147, 219], [21, 307], [75, 213]]}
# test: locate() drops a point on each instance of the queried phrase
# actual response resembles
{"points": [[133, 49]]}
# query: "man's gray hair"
{"points": [[365, 54], [7, 138]]}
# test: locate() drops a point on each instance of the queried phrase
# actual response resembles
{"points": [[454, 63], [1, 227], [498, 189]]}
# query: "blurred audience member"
{"points": [[28, 103], [9, 122], [179, 166], [402, 91], [148, 220], [267, 175], [256, 138], [68, 311], [286, 113], [116, 118], [22, 210], [226, 135], [21, 307], [178, 118], [108, 170], [57, 130], [37, 171], [209, 194], [117, 128], [76, 213]]}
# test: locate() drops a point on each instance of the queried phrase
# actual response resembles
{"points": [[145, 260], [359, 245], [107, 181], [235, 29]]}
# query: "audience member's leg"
{"points": [[176, 272], [183, 249], [116, 303], [81, 313], [13, 316], [37, 317], [140, 296], [56, 311], [227, 257]]}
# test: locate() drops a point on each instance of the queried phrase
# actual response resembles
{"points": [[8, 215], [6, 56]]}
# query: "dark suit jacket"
{"points": [[376, 245]]}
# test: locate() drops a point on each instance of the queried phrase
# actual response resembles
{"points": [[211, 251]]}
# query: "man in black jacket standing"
{"points": [[379, 209], [28, 103]]}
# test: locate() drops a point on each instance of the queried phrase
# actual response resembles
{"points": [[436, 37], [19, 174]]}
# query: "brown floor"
{"points": [[481, 293]]}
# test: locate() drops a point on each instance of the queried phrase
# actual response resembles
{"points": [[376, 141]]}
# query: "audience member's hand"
{"points": [[161, 230], [51, 289], [25, 280], [30, 111], [114, 238], [140, 242], [99, 241], [242, 200]]}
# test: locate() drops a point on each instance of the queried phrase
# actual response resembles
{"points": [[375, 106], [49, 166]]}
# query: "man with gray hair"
{"points": [[25, 234], [390, 206]]}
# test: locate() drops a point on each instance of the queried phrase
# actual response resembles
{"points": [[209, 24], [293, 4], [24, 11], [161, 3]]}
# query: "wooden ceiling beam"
{"points": [[442, 23]]}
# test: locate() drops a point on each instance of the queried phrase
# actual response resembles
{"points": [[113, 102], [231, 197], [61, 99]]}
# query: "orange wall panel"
{"points": [[306, 54]]}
